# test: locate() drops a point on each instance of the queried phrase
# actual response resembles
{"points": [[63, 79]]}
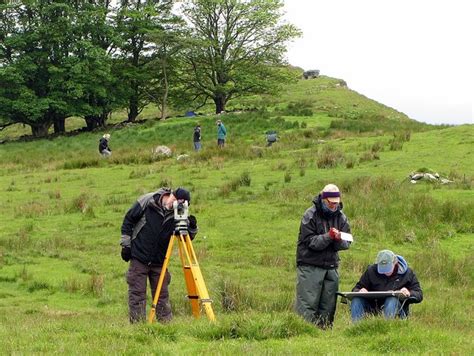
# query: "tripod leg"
{"points": [[189, 279], [196, 279], [160, 280]]}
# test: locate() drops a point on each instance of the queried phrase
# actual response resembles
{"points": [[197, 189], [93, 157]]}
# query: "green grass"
{"points": [[62, 286]]}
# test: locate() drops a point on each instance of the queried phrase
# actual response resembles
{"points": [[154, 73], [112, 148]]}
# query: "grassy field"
{"points": [[62, 286]]}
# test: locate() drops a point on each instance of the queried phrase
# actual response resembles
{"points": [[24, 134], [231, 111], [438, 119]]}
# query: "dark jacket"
{"points": [[402, 277], [147, 228], [104, 145], [197, 134], [315, 247]]}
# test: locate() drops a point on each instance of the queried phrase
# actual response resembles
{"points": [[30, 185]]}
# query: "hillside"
{"points": [[62, 281]]}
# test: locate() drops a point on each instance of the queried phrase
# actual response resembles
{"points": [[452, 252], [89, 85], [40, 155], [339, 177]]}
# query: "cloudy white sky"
{"points": [[413, 55]]}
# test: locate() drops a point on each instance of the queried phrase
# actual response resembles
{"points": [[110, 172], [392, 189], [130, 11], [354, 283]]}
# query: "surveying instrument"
{"points": [[197, 291]]}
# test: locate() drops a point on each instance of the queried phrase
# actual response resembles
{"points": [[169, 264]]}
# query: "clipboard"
{"points": [[373, 295]]}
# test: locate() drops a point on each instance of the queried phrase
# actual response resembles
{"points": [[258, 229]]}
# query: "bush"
{"points": [[300, 108], [82, 163], [234, 184], [330, 157]]}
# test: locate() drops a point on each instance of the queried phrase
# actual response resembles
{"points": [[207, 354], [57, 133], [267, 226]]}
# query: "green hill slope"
{"points": [[62, 281]]}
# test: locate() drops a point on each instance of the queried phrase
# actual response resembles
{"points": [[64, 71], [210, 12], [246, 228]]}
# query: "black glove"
{"points": [[192, 222], [126, 253]]}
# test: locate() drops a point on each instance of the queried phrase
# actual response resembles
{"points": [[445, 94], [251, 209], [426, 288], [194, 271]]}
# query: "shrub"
{"points": [[54, 195], [35, 285], [140, 173], [377, 146], [81, 204], [351, 161], [396, 143], [233, 296], [330, 157], [369, 156], [166, 182], [300, 108], [245, 179], [96, 285], [234, 184], [82, 163]]}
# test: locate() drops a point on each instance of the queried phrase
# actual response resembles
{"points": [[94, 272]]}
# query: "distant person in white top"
{"points": [[104, 148]]}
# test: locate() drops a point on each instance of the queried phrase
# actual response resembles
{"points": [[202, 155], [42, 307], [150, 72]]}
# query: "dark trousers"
{"points": [[316, 294], [137, 276]]}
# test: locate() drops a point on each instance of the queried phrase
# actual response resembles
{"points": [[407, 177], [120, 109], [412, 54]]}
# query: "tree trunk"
{"points": [[219, 100], [103, 119], [59, 125], [40, 129], [92, 122], [164, 98], [133, 104]]}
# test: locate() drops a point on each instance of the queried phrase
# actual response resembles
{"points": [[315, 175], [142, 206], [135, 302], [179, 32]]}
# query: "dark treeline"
{"points": [[87, 58]]}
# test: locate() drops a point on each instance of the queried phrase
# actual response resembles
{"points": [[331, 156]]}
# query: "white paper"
{"points": [[346, 237]]}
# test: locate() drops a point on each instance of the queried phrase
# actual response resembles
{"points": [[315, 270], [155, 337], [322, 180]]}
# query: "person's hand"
{"points": [[192, 222], [363, 290], [334, 234], [405, 292], [126, 253]]}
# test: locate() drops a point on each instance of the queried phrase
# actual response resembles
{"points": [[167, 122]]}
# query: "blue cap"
{"points": [[385, 261]]}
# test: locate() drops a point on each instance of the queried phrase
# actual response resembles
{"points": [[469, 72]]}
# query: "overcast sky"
{"points": [[413, 55]]}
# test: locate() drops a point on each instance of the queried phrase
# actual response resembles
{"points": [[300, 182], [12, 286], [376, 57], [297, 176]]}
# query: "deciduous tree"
{"points": [[237, 48]]}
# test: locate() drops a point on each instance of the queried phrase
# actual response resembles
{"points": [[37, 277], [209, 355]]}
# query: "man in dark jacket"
{"points": [[146, 232], [104, 148], [197, 137], [389, 273], [317, 257]]}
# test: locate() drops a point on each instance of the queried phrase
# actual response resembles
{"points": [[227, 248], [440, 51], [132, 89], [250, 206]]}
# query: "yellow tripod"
{"points": [[197, 291]]}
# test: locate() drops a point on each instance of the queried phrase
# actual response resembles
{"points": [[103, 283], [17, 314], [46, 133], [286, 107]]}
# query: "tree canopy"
{"points": [[235, 49], [87, 58]]}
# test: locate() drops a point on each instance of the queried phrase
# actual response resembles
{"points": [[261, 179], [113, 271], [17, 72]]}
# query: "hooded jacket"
{"points": [[315, 247], [402, 277], [147, 228], [104, 144], [221, 131]]}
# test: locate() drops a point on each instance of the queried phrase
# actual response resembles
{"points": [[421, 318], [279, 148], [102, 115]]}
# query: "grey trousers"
{"points": [[316, 294], [137, 276]]}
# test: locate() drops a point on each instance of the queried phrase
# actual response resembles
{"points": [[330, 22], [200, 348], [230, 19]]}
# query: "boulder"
{"points": [[161, 151]]}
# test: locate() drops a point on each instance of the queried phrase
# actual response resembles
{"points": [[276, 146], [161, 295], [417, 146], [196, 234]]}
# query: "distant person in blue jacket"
{"points": [[104, 148], [221, 133], [389, 273]]}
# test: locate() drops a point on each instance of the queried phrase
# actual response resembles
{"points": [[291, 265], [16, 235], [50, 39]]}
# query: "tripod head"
{"points": [[181, 217]]}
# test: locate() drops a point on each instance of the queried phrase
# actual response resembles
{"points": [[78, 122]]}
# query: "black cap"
{"points": [[182, 193]]}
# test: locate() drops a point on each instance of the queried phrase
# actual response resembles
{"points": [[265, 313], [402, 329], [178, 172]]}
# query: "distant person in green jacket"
{"points": [[221, 133]]}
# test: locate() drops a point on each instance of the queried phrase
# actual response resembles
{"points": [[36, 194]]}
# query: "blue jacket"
{"points": [[221, 132]]}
